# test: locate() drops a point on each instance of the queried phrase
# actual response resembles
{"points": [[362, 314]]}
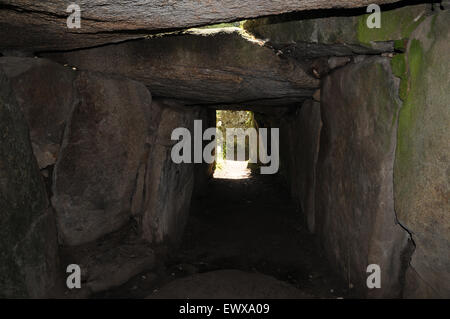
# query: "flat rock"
{"points": [[41, 25], [309, 35], [207, 66]]}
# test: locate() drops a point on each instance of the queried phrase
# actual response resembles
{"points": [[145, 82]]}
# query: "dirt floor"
{"points": [[247, 224]]}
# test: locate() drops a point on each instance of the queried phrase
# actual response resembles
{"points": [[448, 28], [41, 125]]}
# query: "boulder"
{"points": [[209, 66], [103, 148], [41, 25], [45, 95], [354, 199], [422, 175], [28, 246]]}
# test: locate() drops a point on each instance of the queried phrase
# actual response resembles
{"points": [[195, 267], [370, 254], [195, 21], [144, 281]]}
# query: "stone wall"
{"points": [[169, 186], [422, 175], [28, 246], [299, 148], [337, 160], [355, 214], [85, 157], [381, 180], [101, 176]]}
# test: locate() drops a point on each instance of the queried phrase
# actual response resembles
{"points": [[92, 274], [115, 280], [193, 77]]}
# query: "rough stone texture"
{"points": [[228, 284], [310, 35], [355, 216], [299, 148], [109, 262], [41, 25], [168, 185], [305, 132], [103, 148], [422, 175], [204, 171], [45, 95], [116, 266], [28, 246], [204, 66]]}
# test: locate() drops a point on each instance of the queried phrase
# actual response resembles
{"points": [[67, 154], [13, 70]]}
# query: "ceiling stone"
{"points": [[30, 25]]}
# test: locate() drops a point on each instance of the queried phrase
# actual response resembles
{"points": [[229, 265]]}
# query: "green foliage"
{"points": [[233, 119]]}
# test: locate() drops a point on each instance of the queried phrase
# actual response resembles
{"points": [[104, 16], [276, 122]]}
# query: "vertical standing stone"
{"points": [[422, 173], [308, 130], [44, 93], [28, 245], [355, 219], [103, 148], [169, 185]]}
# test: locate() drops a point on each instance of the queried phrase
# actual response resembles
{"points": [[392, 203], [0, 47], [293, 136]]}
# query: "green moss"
{"points": [[400, 45], [395, 25], [432, 33], [408, 113], [399, 69]]}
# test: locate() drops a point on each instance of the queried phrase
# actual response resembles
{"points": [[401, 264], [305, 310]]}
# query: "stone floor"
{"points": [[249, 225]]}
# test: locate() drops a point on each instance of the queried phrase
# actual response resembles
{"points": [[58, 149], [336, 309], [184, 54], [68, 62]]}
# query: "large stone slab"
{"points": [[41, 25], [299, 148], [203, 66], [45, 95], [306, 129], [309, 35], [103, 148], [422, 175], [28, 245], [169, 185], [355, 216]]}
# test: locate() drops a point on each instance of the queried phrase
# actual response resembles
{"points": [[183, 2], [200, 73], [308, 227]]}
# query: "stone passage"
{"points": [[87, 177]]}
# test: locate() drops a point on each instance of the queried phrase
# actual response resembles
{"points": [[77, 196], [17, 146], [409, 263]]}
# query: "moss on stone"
{"points": [[399, 69], [421, 160], [395, 24], [408, 115], [400, 45]]}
